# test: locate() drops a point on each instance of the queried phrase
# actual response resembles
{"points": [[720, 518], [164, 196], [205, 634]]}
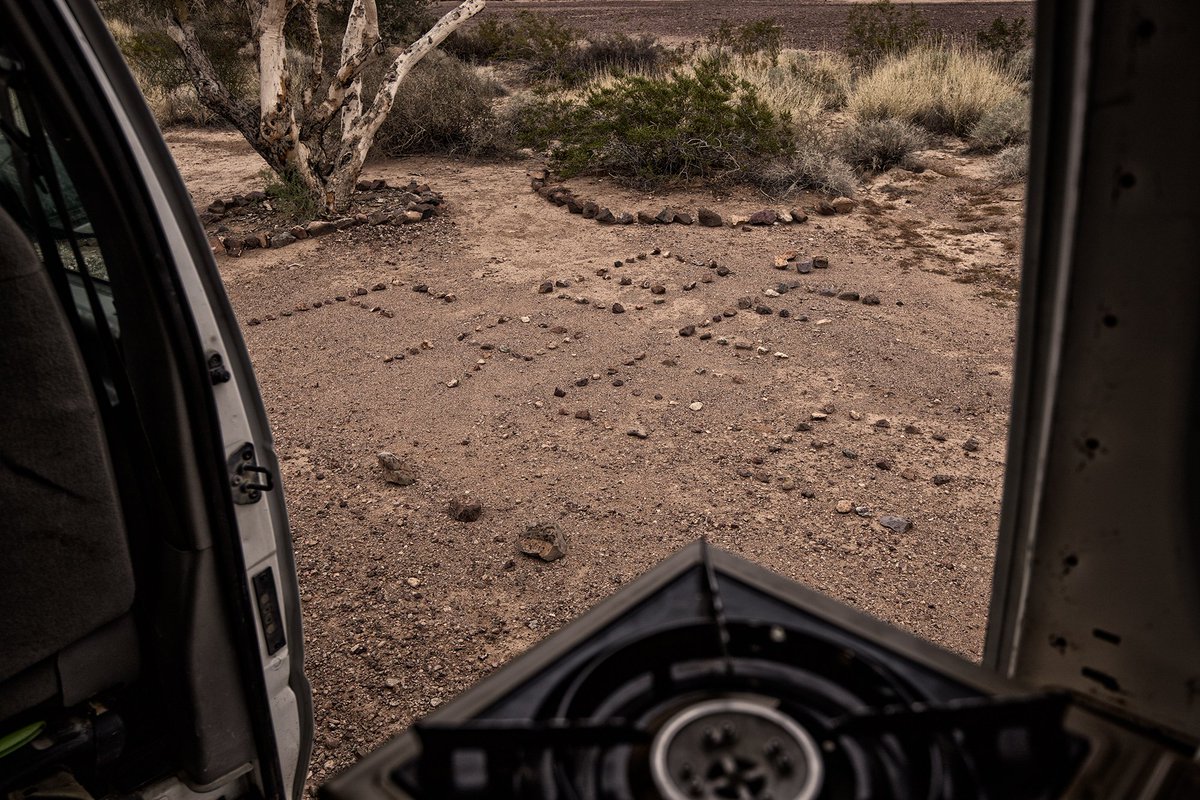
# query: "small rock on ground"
{"points": [[544, 540]]}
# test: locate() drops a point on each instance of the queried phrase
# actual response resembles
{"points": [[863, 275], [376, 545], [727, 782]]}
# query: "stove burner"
{"points": [[735, 749]]}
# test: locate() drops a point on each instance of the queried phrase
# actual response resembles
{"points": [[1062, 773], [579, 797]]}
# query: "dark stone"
{"points": [[884, 464], [871, 300], [606, 217], [617, 308], [764, 217], [559, 392], [282, 239], [820, 262], [941, 480], [799, 216], [590, 210], [216, 207], [298, 231], [465, 509], [646, 218], [971, 445], [583, 414], [783, 312], [723, 271], [745, 303], [419, 288], [581, 382], [574, 206], [344, 223], [687, 330], [683, 218], [665, 217], [546, 287], [825, 208], [895, 524], [804, 267], [378, 218], [851, 296], [320, 227], [658, 288], [709, 218], [624, 218], [763, 310]]}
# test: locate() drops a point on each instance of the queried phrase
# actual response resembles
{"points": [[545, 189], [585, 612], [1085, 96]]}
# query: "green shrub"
{"points": [[443, 106], [877, 30], [701, 125], [537, 122], [1012, 164], [811, 167], [877, 145], [290, 196], [1003, 125], [1005, 38], [942, 89]]}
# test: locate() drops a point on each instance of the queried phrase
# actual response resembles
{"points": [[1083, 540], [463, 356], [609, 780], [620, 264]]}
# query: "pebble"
{"points": [[941, 480], [617, 308], [971, 445], [559, 392], [895, 524], [696, 406], [844, 506], [639, 433], [452, 383], [583, 414], [687, 330]]}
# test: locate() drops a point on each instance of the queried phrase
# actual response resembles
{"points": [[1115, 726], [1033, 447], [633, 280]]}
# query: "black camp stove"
{"points": [[711, 678]]}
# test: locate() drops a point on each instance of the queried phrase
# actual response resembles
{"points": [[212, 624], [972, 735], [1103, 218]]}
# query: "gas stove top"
{"points": [[711, 678]]}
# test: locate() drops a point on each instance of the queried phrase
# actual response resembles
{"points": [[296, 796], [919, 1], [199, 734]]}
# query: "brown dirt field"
{"points": [[405, 607], [812, 25]]}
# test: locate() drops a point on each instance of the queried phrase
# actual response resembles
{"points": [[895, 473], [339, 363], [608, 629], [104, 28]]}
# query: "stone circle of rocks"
{"points": [[540, 181], [415, 202]]}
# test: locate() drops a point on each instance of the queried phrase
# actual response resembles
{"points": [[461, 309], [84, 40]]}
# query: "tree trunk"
{"points": [[357, 139], [289, 132]]}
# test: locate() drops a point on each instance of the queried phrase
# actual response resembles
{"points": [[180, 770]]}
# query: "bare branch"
{"points": [[317, 45], [213, 93], [360, 43]]}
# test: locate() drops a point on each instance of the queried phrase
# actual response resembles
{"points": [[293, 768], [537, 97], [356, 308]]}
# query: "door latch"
{"points": [[247, 478]]}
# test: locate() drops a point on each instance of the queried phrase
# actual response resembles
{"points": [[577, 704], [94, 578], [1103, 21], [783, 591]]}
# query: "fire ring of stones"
{"points": [[411, 204], [540, 181]]}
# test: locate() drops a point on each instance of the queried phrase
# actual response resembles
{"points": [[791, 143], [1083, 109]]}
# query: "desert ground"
{"points": [[807, 25], [898, 408]]}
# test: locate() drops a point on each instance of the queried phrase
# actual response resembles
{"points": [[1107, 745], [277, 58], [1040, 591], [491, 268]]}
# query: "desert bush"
{"points": [[942, 89], [1012, 164], [537, 122], [545, 46], [444, 106], [881, 29], [619, 53], [877, 145], [1005, 38], [761, 37], [705, 124], [811, 167], [1004, 125], [828, 73]]}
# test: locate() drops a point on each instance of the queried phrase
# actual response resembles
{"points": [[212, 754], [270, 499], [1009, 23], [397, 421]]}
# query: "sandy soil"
{"points": [[811, 25], [404, 607]]}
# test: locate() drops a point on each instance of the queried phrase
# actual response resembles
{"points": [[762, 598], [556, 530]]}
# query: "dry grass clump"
{"points": [[879, 144], [1002, 126], [942, 89], [1012, 164]]}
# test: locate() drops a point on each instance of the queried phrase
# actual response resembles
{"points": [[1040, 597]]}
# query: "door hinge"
{"points": [[247, 478], [217, 372]]}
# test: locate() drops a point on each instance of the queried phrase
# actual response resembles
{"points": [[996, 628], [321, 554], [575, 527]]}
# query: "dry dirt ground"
{"points": [[404, 607], [807, 25]]}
